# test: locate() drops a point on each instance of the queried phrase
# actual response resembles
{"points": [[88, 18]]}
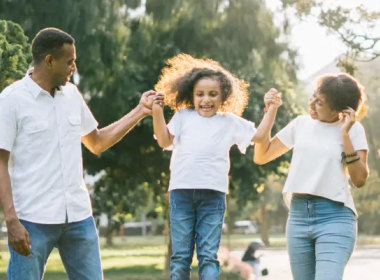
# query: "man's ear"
{"points": [[49, 61]]}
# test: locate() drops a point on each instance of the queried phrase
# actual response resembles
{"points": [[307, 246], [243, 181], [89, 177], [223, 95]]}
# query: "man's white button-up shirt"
{"points": [[43, 135]]}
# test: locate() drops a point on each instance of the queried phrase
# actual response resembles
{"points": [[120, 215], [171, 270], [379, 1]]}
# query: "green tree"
{"points": [[121, 54], [367, 198], [15, 53], [15, 57], [357, 28]]}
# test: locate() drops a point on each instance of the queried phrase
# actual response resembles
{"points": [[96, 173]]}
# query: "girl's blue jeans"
{"points": [[196, 219]]}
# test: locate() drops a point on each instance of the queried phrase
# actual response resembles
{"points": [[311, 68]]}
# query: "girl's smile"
{"points": [[207, 97]]}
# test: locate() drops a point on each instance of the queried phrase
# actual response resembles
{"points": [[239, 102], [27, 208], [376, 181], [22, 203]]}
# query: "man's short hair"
{"points": [[49, 41]]}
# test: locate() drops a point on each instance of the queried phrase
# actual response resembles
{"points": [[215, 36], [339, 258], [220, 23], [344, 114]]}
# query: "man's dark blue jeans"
{"points": [[78, 245]]}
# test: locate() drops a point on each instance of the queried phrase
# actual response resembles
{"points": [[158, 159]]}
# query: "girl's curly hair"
{"points": [[184, 71]]}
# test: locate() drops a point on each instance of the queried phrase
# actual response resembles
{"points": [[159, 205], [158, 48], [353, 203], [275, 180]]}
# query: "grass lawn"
{"points": [[117, 264], [137, 258]]}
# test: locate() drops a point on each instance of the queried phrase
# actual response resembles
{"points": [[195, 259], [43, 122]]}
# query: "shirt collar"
{"points": [[34, 88]]}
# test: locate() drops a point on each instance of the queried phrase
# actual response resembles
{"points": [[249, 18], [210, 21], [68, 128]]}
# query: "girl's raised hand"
{"points": [[272, 97], [159, 99]]}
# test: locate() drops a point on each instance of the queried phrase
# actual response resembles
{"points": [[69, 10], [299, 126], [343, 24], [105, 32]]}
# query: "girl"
{"points": [[329, 148], [207, 100]]}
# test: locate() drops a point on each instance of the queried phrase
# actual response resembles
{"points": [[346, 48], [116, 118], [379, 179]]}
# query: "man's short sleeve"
{"points": [[88, 121], [8, 122]]}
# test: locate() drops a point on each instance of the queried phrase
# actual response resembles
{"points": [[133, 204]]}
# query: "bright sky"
{"points": [[316, 48]]}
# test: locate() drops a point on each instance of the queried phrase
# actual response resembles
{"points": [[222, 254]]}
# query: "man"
{"points": [[43, 120]]}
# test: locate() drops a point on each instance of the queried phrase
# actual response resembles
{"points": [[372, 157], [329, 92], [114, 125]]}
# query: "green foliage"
{"points": [[367, 198], [15, 53], [357, 28], [121, 54]]}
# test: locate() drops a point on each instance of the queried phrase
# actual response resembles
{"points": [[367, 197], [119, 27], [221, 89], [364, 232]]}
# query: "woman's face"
{"points": [[320, 110]]}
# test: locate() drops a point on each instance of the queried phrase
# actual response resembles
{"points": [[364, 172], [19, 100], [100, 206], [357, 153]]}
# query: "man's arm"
{"points": [[100, 140], [17, 234]]}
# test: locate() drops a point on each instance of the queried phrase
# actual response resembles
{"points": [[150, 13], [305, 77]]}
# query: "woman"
{"points": [[330, 148]]}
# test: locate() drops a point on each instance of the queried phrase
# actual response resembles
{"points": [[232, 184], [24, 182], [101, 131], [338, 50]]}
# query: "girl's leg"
{"points": [[210, 208], [335, 243], [182, 224], [299, 240]]}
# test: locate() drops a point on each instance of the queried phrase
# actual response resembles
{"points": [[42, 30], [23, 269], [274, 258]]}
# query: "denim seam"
{"points": [[64, 264], [10, 265], [172, 207]]}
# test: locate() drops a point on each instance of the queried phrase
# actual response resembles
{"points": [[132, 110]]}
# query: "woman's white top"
{"points": [[201, 146], [316, 167]]}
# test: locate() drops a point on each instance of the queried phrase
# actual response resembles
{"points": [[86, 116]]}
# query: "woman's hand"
{"points": [[349, 118]]}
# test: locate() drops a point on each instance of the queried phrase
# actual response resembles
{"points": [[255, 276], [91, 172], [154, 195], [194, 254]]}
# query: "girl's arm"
{"points": [[357, 165], [164, 138]]}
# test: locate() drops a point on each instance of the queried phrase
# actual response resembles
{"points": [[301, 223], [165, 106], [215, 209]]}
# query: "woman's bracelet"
{"points": [[352, 161], [353, 154]]}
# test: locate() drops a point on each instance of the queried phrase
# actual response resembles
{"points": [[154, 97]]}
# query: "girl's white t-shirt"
{"points": [[316, 167], [201, 146]]}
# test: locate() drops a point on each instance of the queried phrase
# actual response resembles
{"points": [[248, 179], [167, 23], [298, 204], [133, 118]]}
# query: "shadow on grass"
{"points": [[137, 272], [131, 273]]}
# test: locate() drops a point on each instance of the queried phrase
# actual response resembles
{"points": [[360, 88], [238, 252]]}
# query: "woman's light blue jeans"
{"points": [[321, 236]]}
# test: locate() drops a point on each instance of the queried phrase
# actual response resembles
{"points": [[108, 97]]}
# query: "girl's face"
{"points": [[320, 110], [207, 97]]}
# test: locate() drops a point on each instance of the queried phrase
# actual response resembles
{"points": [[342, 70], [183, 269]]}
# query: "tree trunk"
{"points": [[109, 232], [144, 227], [264, 224], [109, 241], [372, 143]]}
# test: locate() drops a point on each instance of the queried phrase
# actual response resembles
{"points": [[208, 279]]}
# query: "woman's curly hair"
{"points": [[342, 91], [178, 79]]}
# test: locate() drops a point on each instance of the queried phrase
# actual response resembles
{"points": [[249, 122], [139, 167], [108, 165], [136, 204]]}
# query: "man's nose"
{"points": [[74, 67]]}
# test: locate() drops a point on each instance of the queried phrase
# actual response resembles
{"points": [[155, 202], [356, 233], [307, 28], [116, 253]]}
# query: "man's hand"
{"points": [[18, 237], [146, 103]]}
